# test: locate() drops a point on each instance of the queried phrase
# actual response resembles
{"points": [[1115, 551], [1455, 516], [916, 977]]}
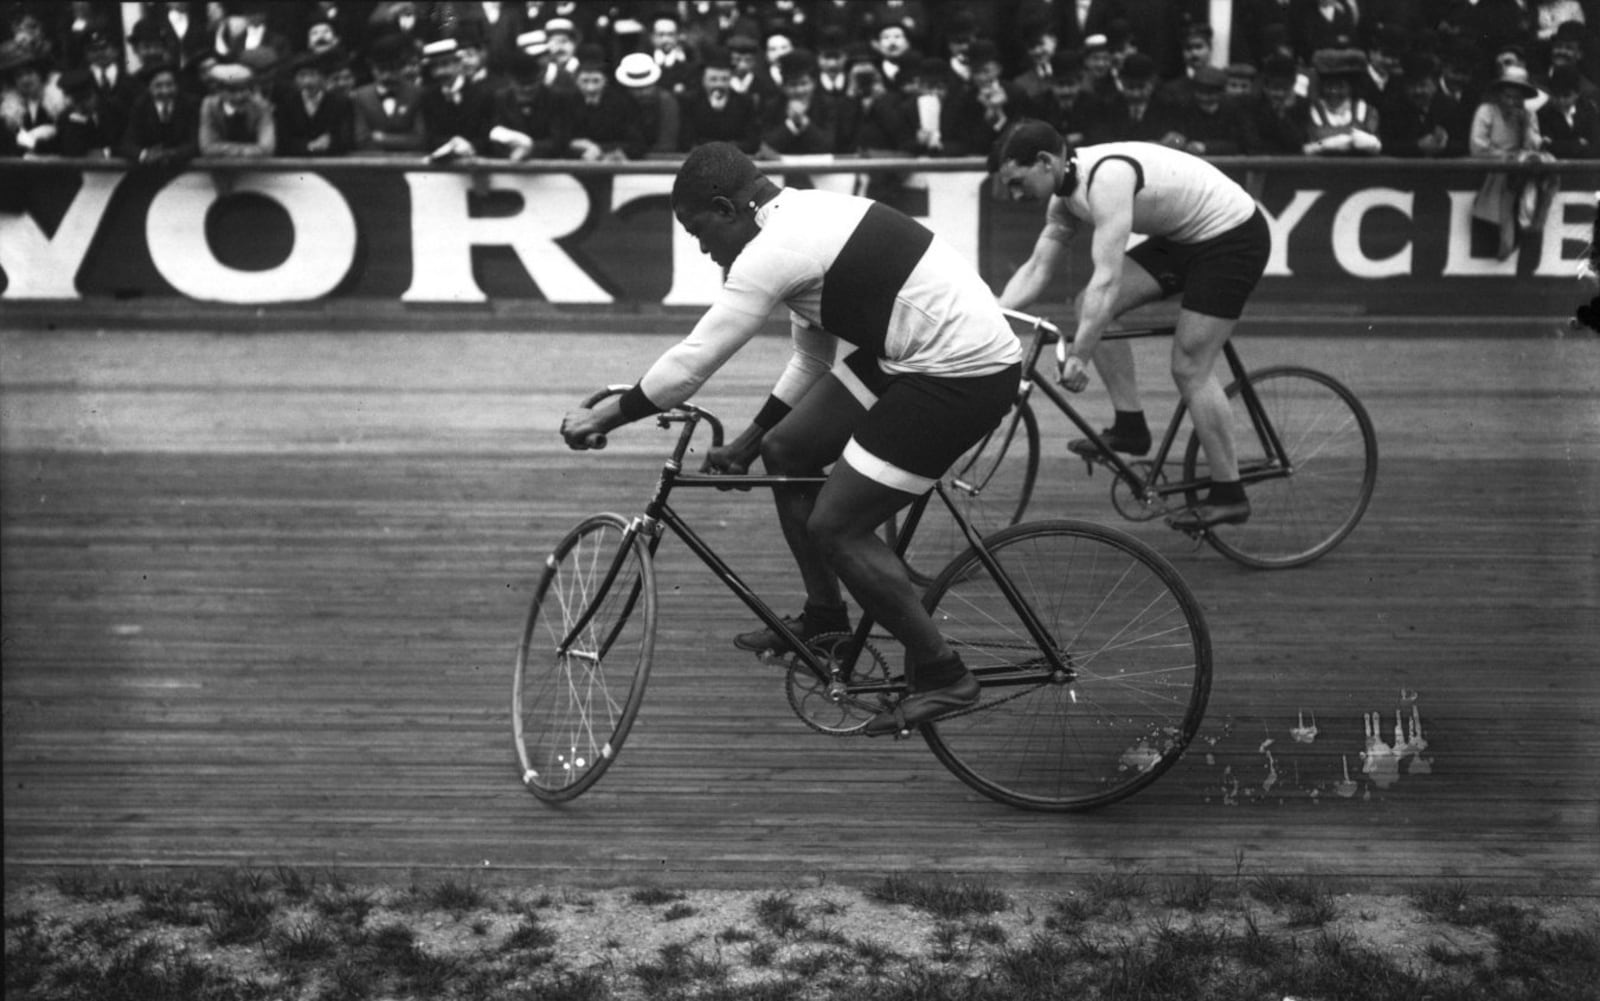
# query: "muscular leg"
{"points": [[1195, 348], [803, 444], [1114, 359], [844, 525]]}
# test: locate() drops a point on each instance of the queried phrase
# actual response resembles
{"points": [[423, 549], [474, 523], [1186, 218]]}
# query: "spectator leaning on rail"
{"points": [[713, 112], [1504, 130], [605, 120], [1280, 119], [164, 123], [529, 121], [659, 114], [235, 121], [1418, 123], [805, 122], [30, 102], [1341, 123], [1212, 125], [387, 111], [312, 120], [1570, 122], [455, 114], [88, 126]]}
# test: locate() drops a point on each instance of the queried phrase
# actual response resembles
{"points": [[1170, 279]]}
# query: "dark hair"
{"points": [[711, 170], [1022, 143]]}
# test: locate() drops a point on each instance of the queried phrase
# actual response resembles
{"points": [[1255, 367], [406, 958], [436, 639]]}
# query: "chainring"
{"points": [[824, 706], [1127, 501]]}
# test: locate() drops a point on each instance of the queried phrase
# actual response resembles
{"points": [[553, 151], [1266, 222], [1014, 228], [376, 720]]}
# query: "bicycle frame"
{"points": [[659, 516], [1147, 486]]}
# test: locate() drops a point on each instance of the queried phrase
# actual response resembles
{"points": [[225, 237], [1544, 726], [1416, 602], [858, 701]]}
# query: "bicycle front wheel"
{"points": [[1137, 657], [584, 657], [1301, 512], [991, 484]]}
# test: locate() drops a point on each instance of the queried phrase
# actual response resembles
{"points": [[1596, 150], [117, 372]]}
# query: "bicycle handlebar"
{"points": [[685, 413]]}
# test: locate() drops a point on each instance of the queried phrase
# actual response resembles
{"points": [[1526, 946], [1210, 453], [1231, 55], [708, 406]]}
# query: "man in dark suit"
{"points": [[1279, 118], [1569, 121], [530, 119], [455, 115], [386, 112], [88, 126], [605, 121], [164, 123], [1418, 123], [1212, 126], [1133, 112], [314, 121], [715, 113], [116, 87]]}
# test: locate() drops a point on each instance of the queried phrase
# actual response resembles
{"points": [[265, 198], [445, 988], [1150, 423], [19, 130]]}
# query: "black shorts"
{"points": [[1215, 276], [917, 426]]}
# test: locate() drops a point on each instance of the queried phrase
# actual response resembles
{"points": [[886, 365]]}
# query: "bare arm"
{"points": [[1111, 201], [1030, 281]]}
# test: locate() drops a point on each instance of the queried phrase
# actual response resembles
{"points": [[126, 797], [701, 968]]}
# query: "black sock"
{"points": [[937, 673], [1226, 492], [826, 615], [1130, 422]]}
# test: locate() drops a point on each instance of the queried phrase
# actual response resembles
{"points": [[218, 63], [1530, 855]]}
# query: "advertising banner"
{"points": [[1389, 238]]}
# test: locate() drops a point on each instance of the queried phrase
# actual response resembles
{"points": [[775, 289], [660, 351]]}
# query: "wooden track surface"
{"points": [[261, 598]]}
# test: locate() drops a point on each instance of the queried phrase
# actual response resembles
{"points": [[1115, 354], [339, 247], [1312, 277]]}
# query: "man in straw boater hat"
{"points": [[934, 366], [1206, 239]]}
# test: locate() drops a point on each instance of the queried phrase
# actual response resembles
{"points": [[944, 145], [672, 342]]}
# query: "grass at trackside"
{"points": [[289, 934]]}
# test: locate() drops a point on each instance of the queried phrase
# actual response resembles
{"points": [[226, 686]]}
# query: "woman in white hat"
{"points": [[1504, 129]]}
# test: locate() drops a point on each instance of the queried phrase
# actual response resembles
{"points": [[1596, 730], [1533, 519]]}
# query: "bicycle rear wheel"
{"points": [[1333, 467], [991, 484], [584, 657], [1137, 653]]}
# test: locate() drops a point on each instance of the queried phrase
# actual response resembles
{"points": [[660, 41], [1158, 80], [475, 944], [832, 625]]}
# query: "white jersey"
{"points": [[849, 269], [1176, 195]]}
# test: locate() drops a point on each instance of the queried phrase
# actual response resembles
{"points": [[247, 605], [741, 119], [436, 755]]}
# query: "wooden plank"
{"points": [[280, 631]]}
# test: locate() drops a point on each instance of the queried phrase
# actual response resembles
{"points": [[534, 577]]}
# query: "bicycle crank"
{"points": [[1130, 500], [826, 705]]}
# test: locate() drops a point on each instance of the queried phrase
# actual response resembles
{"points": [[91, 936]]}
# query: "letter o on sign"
{"points": [[324, 239]]}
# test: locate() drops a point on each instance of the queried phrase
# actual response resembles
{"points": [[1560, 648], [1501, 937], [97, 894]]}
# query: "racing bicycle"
{"points": [[1306, 449], [1093, 656]]}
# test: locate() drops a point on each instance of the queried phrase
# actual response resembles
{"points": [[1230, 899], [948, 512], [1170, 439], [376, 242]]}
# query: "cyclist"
{"points": [[1206, 238], [935, 366]]}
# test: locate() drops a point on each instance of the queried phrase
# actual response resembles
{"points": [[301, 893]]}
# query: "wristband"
{"points": [[636, 406], [773, 411]]}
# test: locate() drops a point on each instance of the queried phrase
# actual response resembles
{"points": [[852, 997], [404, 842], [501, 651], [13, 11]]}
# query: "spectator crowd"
{"points": [[161, 83]]}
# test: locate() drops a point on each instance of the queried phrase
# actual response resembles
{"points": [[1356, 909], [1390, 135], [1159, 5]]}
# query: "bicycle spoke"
{"points": [[1136, 650], [578, 688]]}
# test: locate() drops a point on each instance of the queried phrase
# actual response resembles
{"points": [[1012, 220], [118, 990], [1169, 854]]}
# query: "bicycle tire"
{"points": [[572, 711], [1128, 628], [991, 484], [1333, 453]]}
